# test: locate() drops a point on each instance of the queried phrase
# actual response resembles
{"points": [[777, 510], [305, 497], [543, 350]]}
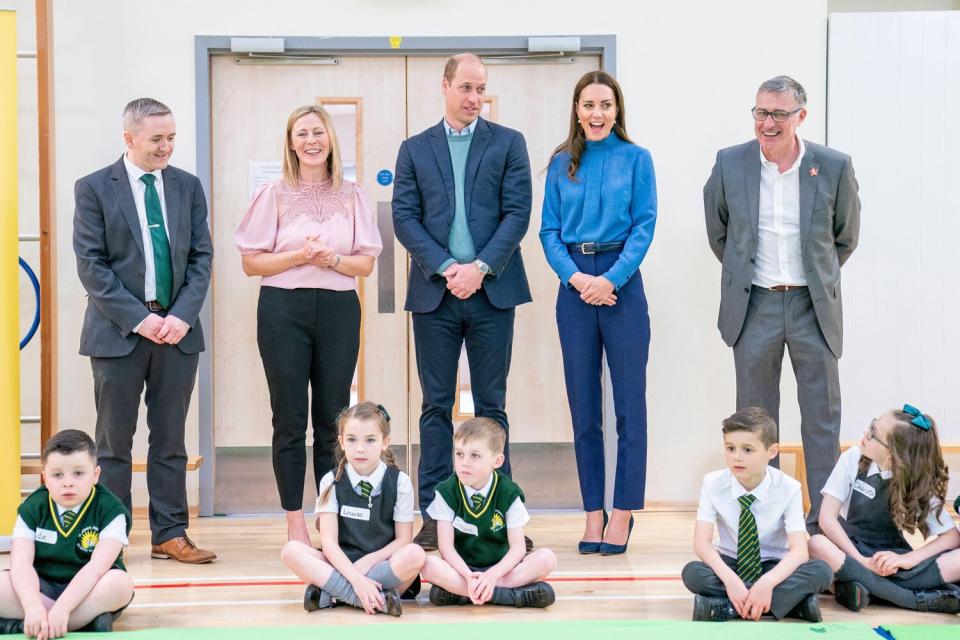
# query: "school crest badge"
{"points": [[497, 522], [88, 539]]}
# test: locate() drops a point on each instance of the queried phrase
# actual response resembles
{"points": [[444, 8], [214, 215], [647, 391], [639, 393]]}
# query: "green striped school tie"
{"points": [[163, 270], [67, 518], [365, 488], [748, 542], [477, 501]]}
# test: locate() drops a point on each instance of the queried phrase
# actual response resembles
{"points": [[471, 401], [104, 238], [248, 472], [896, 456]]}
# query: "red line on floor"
{"points": [[286, 583]]}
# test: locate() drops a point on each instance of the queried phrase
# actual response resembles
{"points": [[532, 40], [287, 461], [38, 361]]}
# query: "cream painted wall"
{"points": [[689, 71]]}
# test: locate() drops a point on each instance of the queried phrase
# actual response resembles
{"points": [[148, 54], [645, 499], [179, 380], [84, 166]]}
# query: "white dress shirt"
{"points": [[139, 193], [778, 510], [467, 130], [779, 251], [117, 529], [516, 515], [402, 510], [842, 483]]}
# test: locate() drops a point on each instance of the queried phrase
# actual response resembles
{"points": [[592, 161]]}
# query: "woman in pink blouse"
{"points": [[308, 236]]}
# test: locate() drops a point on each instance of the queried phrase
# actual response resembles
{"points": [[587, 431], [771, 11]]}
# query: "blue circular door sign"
{"points": [[384, 177]]}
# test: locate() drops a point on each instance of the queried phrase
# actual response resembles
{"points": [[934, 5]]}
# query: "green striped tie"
{"points": [[365, 488], [477, 501], [748, 542], [162, 268], [67, 518]]}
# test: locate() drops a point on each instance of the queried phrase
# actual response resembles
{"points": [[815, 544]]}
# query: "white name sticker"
{"points": [[355, 513], [45, 535], [862, 487], [465, 527]]}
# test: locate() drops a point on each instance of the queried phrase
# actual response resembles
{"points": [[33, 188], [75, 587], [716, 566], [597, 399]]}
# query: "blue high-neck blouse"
{"points": [[624, 210]]}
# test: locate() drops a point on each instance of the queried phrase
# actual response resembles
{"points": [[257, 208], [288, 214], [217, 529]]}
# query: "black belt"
{"points": [[154, 306], [787, 287], [588, 248]]}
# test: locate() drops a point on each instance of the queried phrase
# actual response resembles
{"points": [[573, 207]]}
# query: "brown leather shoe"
{"points": [[182, 549]]}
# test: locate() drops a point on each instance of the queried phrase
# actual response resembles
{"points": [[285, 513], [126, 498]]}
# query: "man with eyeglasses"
{"points": [[783, 215]]}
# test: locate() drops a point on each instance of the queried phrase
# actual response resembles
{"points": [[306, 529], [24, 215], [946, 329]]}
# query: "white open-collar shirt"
{"points": [[779, 250]]}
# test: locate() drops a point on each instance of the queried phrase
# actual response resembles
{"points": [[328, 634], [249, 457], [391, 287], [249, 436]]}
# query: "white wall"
{"points": [[689, 71], [894, 91]]}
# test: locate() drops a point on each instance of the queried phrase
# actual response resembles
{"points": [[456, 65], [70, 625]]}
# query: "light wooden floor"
{"points": [[249, 586]]}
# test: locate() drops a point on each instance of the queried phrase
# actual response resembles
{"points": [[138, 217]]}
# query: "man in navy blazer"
{"points": [[461, 205], [144, 257]]}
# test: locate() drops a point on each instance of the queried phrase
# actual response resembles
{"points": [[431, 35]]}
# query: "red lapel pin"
{"points": [[814, 172]]}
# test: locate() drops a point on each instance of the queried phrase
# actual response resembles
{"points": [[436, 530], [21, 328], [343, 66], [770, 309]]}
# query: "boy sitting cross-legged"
{"points": [[480, 517], [66, 563], [760, 563]]}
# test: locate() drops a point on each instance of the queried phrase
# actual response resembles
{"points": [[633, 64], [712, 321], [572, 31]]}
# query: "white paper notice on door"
{"points": [[262, 171]]}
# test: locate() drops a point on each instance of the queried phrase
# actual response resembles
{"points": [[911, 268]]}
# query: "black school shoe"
{"points": [[413, 590], [709, 609], [536, 595], [440, 597], [103, 623], [11, 627], [391, 603], [314, 599], [946, 600], [852, 595], [808, 609]]}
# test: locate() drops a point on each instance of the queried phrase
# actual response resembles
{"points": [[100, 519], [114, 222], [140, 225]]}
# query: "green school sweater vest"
{"points": [[480, 537], [61, 554]]}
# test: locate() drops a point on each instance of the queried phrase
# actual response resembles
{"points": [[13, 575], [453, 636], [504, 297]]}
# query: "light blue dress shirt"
{"points": [[613, 198]]}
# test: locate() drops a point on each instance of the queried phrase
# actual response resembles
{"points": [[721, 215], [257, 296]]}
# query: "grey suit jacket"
{"points": [[829, 228], [108, 243]]}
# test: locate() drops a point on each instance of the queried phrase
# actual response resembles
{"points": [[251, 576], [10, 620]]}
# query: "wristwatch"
{"points": [[483, 267]]}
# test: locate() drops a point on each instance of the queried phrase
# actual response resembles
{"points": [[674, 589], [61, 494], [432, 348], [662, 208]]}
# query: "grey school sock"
{"points": [[878, 586], [341, 589], [383, 574]]}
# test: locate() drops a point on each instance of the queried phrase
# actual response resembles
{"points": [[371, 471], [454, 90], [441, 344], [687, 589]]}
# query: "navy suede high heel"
{"points": [[593, 547], [608, 549]]}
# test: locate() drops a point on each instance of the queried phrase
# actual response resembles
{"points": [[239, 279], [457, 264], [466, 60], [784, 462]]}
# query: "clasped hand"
{"points": [[595, 290], [163, 330], [480, 586], [887, 563], [316, 252], [750, 603], [463, 280]]}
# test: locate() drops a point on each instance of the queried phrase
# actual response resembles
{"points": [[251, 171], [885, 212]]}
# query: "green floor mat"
{"points": [[924, 631], [554, 630]]}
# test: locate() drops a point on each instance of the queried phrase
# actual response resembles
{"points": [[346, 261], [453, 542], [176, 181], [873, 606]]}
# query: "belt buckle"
{"points": [[584, 245]]}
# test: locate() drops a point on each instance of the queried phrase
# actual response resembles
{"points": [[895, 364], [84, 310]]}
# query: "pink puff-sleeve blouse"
{"points": [[281, 217]]}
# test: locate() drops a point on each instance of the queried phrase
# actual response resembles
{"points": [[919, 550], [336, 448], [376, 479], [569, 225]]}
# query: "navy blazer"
{"points": [[108, 243], [497, 193]]}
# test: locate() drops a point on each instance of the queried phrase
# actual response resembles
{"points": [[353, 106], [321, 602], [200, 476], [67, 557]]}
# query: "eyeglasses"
{"points": [[778, 116], [873, 435]]}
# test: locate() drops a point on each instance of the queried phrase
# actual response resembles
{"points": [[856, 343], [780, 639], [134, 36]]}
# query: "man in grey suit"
{"points": [[783, 216], [144, 256]]}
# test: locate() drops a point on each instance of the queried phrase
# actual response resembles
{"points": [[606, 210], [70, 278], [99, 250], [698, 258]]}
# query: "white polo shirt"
{"points": [[402, 510], [843, 482]]}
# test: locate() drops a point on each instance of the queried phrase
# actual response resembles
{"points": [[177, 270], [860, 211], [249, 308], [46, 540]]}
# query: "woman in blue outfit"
{"points": [[599, 211]]}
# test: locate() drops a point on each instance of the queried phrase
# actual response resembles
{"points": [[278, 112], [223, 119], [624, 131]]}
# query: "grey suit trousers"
{"points": [[169, 376], [810, 577], [786, 318]]}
